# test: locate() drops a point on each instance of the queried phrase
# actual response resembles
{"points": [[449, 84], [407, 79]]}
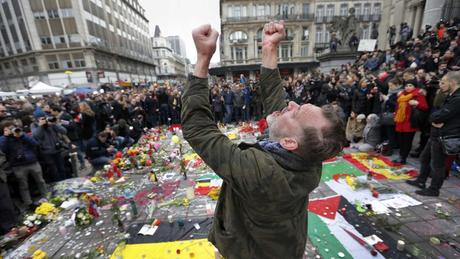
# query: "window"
{"points": [[377, 8], [306, 34], [236, 11], [259, 36], [289, 34], [80, 63], [304, 51], [6, 65], [67, 64], [32, 61], [53, 13], [53, 65], [366, 32], [305, 9], [59, 39], [238, 37], [66, 12], [286, 52], [239, 53], [261, 10], [367, 9], [46, 40], [40, 15], [330, 10], [23, 62], [344, 10], [319, 34], [357, 9], [320, 11]]}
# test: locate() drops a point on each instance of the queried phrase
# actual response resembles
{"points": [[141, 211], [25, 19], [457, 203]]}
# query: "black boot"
{"points": [[428, 192], [416, 183]]}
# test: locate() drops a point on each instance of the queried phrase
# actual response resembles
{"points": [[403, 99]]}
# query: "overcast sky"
{"points": [[180, 17]]}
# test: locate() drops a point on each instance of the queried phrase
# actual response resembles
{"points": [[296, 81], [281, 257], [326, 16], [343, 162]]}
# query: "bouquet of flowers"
{"points": [[46, 209], [82, 217]]}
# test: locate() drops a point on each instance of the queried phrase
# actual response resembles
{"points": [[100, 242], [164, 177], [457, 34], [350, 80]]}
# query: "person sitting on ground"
{"points": [[261, 212], [355, 127], [371, 134], [123, 131], [98, 151]]}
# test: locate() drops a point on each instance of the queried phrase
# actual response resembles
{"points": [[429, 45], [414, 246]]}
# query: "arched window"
{"points": [[259, 35], [289, 34], [238, 37]]}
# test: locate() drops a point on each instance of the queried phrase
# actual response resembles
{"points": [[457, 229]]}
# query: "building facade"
{"points": [[73, 42], [170, 65], [307, 32], [177, 45], [401, 11]]}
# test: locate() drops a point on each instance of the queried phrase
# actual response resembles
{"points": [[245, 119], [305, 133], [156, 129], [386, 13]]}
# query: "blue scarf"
{"points": [[285, 158]]}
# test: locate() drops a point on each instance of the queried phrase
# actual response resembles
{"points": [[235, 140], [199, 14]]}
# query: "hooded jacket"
{"points": [[261, 210]]}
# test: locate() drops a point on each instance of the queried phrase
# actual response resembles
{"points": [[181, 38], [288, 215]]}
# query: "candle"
{"points": [[400, 245]]}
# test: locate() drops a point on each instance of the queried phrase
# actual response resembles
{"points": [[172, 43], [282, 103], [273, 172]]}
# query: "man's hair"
{"points": [[453, 76], [55, 107], [324, 144], [6, 123]]}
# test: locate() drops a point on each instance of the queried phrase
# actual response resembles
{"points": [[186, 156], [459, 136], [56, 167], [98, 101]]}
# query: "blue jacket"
{"points": [[48, 137], [19, 151], [228, 97]]}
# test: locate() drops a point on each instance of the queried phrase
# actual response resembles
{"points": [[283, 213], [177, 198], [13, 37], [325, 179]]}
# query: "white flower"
{"points": [[37, 222], [31, 218], [28, 224]]}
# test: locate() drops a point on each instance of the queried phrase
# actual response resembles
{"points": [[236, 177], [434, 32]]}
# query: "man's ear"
{"points": [[290, 144]]}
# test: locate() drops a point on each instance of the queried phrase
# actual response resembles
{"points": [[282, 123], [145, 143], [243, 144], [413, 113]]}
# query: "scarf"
{"points": [[403, 101], [284, 157]]}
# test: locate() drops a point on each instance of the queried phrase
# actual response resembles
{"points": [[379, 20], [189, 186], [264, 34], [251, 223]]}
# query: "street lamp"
{"points": [[68, 73]]}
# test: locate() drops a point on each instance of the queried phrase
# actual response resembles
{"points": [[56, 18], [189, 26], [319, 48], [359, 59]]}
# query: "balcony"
{"points": [[321, 45], [361, 18], [291, 17]]}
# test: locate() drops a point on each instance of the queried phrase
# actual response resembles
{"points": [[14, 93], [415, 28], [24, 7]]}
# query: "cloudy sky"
{"points": [[180, 17]]}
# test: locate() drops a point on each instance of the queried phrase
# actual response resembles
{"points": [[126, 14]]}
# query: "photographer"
{"points": [[49, 134], [21, 154], [71, 126]]}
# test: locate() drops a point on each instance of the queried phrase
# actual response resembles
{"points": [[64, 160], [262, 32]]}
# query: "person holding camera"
{"points": [[21, 154], [49, 134]]}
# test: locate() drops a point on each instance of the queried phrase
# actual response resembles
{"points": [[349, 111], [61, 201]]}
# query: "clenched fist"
{"points": [[205, 39], [273, 34]]}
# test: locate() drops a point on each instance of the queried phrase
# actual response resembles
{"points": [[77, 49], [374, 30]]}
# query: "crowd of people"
{"points": [[384, 98], [53, 138]]}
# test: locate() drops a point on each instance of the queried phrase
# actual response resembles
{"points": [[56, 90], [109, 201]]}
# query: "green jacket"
{"points": [[261, 211]]}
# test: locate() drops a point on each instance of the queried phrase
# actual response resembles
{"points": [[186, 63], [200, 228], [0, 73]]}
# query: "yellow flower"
{"points": [[39, 254], [45, 209]]}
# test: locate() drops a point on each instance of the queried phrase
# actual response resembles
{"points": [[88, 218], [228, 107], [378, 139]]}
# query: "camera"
{"points": [[16, 130]]}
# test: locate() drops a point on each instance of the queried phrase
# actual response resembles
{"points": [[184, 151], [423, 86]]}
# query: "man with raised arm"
{"points": [[262, 207]]}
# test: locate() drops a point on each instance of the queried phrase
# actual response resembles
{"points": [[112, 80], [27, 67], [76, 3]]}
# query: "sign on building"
{"points": [[367, 45]]}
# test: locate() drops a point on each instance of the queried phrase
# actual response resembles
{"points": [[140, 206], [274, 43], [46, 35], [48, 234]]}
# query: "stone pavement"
{"points": [[418, 225]]}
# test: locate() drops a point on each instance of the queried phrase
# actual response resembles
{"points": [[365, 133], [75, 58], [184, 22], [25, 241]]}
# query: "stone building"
{"points": [[73, 42], [307, 32], [170, 65]]}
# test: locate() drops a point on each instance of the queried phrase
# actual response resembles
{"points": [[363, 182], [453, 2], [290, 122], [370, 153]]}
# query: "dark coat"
{"points": [[261, 211], [96, 148], [449, 115], [87, 126], [19, 151]]}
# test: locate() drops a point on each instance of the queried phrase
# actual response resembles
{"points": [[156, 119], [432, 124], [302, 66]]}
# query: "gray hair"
{"points": [[453, 76]]}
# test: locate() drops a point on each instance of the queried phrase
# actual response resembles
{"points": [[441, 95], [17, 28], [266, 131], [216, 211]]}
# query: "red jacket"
{"points": [[422, 105]]}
